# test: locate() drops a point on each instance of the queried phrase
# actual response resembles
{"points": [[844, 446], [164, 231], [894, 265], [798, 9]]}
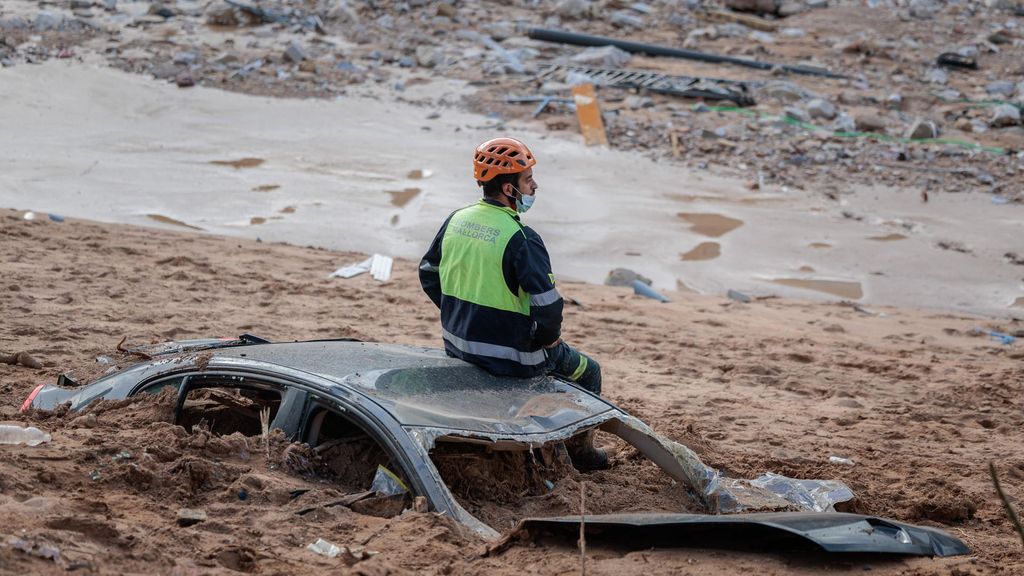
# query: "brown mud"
{"points": [[917, 400]]}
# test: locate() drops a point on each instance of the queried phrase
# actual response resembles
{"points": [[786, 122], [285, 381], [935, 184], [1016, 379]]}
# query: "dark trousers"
{"points": [[571, 364]]}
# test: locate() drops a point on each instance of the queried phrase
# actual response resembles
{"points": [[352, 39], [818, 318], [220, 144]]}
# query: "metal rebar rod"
{"points": [[564, 37]]}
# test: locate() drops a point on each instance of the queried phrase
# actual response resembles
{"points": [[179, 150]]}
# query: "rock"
{"points": [[81, 4], [86, 421], [6, 62], [821, 108], [793, 32], [428, 56], [295, 53], [870, 123], [817, 4], [963, 123], [186, 58], [308, 66], [922, 129], [783, 90], [13, 23], [190, 516], [762, 37], [110, 5], [791, 8], [924, 9], [574, 9], [635, 102], [624, 277], [894, 101], [184, 79], [499, 31], [755, 6], [1000, 88], [603, 57], [624, 19], [1005, 115], [165, 70], [936, 76], [797, 113], [47, 21]]}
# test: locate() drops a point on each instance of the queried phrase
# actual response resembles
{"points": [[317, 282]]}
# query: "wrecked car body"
{"points": [[409, 401]]}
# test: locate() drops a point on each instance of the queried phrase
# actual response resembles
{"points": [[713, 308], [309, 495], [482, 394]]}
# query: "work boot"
{"points": [[584, 455]]}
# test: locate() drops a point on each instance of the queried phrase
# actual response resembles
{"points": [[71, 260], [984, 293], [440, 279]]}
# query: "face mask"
{"points": [[523, 202]]}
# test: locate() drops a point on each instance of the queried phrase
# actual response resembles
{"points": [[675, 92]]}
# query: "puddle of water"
{"points": [[402, 197], [240, 163], [819, 245], [419, 174], [703, 251], [172, 221], [255, 220], [713, 225], [888, 237], [1018, 303], [266, 187], [287, 210], [850, 290]]}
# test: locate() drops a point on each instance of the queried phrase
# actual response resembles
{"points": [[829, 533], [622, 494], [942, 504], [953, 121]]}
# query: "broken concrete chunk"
{"points": [[603, 57], [295, 53], [1000, 88], [821, 108], [845, 123], [190, 516], [797, 113], [428, 56], [624, 277], [1005, 115], [624, 19], [922, 129]]}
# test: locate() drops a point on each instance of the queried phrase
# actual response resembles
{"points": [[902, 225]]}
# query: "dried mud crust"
{"points": [[501, 487]]}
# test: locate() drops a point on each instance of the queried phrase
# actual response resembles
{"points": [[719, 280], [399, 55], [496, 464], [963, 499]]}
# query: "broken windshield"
{"points": [[468, 398]]}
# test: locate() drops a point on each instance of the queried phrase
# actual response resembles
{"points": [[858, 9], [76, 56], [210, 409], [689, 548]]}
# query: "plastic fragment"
{"points": [[809, 495], [738, 296], [32, 436], [841, 460], [648, 292], [378, 265], [324, 548], [387, 483]]}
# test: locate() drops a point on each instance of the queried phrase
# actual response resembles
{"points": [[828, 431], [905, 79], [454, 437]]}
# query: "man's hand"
{"points": [[553, 344]]}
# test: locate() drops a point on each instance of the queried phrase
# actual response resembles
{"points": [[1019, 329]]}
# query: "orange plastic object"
{"points": [[501, 156], [589, 115]]}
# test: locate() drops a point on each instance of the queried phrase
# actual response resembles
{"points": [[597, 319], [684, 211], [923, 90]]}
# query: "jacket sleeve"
{"points": [[533, 273], [430, 277]]}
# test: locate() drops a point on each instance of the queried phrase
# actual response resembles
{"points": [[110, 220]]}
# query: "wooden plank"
{"points": [[589, 115]]}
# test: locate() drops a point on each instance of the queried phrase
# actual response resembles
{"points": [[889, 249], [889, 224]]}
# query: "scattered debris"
{"points": [[378, 265], [1005, 115], [1005, 339], [349, 555], [841, 460]]}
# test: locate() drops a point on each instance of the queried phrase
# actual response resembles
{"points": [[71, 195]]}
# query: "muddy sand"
{"points": [[918, 400]]}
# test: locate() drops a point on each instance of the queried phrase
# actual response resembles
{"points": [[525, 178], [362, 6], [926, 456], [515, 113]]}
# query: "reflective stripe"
{"points": [[549, 297], [494, 350], [427, 266], [579, 369]]}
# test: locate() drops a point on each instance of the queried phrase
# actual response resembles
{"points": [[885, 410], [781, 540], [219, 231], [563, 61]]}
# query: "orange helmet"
{"points": [[501, 156]]}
